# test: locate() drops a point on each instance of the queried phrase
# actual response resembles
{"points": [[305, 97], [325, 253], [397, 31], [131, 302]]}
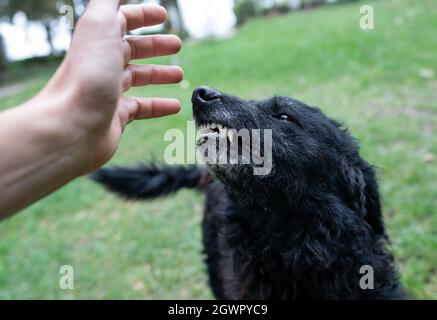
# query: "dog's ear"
{"points": [[362, 194]]}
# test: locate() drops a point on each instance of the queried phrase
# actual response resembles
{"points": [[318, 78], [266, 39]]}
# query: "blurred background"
{"points": [[382, 83]]}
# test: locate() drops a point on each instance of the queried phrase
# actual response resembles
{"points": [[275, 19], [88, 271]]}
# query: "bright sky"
{"points": [[205, 18], [201, 17], [22, 42]]}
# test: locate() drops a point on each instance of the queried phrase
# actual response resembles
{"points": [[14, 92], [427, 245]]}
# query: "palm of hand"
{"points": [[96, 72]]}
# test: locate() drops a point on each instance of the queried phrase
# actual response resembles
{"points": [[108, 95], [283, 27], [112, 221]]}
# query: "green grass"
{"points": [[370, 80]]}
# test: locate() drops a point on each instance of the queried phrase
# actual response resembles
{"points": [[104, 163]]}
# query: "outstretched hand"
{"points": [[74, 125], [97, 71]]}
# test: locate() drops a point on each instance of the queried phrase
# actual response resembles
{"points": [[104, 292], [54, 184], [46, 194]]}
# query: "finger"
{"points": [[142, 108], [138, 16], [141, 75], [141, 47]]}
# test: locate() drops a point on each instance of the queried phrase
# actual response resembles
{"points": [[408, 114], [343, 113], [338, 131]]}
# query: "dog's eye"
{"points": [[285, 117]]}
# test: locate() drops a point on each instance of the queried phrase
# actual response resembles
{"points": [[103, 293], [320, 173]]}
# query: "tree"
{"points": [[244, 10], [178, 26], [3, 7], [79, 3], [44, 11], [2, 56]]}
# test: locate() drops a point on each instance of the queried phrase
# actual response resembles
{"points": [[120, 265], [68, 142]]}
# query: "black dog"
{"points": [[304, 230]]}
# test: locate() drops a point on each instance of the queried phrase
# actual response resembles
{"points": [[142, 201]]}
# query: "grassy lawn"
{"points": [[373, 81]]}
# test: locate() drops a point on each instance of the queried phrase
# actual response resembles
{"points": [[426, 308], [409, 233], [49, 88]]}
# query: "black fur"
{"points": [[301, 232]]}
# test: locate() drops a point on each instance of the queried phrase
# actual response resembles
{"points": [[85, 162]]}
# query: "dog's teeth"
{"points": [[230, 134], [204, 130], [223, 133], [212, 128]]}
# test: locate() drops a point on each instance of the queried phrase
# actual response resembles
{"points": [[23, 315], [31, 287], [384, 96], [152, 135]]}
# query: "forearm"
{"points": [[38, 154]]}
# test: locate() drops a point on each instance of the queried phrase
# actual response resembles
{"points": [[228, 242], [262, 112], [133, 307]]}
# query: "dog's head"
{"points": [[305, 144], [310, 153]]}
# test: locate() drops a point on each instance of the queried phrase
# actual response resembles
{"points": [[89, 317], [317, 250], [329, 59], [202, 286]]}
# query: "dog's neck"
{"points": [[288, 251]]}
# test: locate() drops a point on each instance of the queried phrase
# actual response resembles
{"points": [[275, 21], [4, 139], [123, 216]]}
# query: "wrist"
{"points": [[55, 132], [41, 153]]}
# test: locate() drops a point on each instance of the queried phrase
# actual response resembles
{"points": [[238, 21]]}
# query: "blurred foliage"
{"points": [[43, 11], [175, 24], [245, 9], [18, 71], [35, 10], [2, 56]]}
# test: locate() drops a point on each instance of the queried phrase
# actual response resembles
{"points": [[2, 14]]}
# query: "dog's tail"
{"points": [[149, 182]]}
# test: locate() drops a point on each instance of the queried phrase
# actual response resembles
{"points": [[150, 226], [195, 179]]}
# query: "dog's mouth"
{"points": [[214, 131]]}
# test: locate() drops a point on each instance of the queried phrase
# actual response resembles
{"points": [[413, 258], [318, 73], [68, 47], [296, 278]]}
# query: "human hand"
{"points": [[97, 70]]}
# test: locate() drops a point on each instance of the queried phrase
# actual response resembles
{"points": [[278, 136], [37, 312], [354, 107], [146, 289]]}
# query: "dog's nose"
{"points": [[205, 94]]}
